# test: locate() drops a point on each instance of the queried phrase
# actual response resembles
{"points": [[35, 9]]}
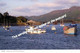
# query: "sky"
{"points": [[35, 7]]}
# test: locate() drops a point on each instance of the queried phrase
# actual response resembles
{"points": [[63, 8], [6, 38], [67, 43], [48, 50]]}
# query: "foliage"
{"points": [[21, 19], [11, 19]]}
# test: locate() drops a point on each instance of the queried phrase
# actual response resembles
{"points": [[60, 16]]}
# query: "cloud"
{"points": [[67, 2], [2, 4], [48, 6], [31, 0], [29, 10], [22, 9], [28, 0], [42, 8], [38, 8]]}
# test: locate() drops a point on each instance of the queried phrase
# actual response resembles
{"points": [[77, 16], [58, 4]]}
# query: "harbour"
{"points": [[48, 40]]}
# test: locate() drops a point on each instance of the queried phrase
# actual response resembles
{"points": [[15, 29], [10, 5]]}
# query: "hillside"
{"points": [[72, 13], [12, 20]]}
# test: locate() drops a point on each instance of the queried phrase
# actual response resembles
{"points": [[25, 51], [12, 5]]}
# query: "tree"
{"points": [[22, 19], [6, 14], [1, 18]]}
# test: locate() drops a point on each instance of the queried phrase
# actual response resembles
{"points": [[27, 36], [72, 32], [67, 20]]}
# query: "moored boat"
{"points": [[62, 25], [53, 28], [31, 30], [70, 30]]}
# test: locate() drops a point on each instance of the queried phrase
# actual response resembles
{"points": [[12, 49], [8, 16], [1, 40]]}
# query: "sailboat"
{"points": [[62, 23], [7, 27], [6, 21]]}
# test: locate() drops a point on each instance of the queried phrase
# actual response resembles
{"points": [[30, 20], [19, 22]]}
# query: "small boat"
{"points": [[53, 28], [70, 30], [6, 27], [62, 25], [31, 30]]}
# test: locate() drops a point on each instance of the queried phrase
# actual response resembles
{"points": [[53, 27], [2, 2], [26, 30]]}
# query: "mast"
{"points": [[6, 19]]}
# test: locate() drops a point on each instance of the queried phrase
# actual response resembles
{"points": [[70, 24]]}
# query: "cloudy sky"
{"points": [[34, 7]]}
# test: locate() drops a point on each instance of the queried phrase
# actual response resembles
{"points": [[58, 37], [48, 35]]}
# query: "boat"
{"points": [[31, 30], [70, 30], [6, 28], [53, 28], [62, 23], [6, 25]]}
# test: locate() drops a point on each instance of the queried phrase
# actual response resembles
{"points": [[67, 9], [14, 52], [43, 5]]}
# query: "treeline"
{"points": [[12, 20]]}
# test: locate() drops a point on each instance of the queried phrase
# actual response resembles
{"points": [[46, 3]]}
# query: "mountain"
{"points": [[72, 13]]}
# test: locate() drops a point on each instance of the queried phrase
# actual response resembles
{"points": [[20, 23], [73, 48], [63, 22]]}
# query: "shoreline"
{"points": [[29, 25]]}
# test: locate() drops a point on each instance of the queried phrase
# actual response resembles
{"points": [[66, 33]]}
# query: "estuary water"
{"points": [[48, 40]]}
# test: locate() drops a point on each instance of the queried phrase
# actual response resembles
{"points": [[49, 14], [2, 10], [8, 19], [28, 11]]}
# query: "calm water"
{"points": [[48, 40]]}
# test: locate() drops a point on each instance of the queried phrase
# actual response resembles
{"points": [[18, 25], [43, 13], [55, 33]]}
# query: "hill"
{"points": [[73, 13], [6, 19]]}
